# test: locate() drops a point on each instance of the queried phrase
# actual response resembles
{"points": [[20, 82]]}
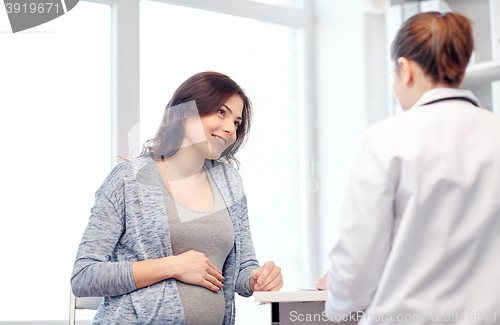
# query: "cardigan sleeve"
{"points": [[94, 272], [248, 260]]}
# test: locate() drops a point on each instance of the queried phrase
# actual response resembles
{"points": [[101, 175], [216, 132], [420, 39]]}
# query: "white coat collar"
{"points": [[440, 93]]}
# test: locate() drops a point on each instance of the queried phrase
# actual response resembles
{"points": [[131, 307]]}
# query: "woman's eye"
{"points": [[237, 124], [221, 111]]}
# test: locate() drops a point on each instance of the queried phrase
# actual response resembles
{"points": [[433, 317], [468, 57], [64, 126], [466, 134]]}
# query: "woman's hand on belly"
{"points": [[195, 268], [190, 267]]}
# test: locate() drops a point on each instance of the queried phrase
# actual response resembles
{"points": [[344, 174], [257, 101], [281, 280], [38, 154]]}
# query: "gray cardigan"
{"points": [[129, 223]]}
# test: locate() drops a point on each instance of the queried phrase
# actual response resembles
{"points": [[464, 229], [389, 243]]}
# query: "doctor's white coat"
{"points": [[420, 234]]}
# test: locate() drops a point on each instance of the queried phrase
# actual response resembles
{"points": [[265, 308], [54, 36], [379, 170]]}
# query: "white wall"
{"points": [[341, 105], [351, 79]]}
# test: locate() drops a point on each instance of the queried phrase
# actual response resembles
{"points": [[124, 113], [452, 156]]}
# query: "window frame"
{"points": [[126, 89]]}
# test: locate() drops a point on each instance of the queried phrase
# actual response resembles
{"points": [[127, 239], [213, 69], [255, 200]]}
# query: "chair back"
{"points": [[75, 303]]}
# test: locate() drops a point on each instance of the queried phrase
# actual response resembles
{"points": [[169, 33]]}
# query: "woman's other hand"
{"points": [[195, 268], [266, 278], [321, 284]]}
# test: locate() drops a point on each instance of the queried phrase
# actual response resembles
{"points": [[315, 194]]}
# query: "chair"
{"points": [[75, 303]]}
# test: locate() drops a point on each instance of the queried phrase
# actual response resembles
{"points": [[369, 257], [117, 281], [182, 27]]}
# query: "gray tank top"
{"points": [[210, 232]]}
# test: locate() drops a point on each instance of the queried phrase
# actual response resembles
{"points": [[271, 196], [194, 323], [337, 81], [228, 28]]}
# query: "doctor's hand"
{"points": [[321, 284], [266, 278]]}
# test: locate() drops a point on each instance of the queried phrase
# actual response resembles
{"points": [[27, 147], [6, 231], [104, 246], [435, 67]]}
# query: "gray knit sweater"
{"points": [[129, 223]]}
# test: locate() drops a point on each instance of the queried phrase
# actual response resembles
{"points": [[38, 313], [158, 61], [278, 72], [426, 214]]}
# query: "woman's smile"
{"points": [[220, 140]]}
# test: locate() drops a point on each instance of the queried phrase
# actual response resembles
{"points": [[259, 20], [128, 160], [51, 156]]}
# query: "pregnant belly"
{"points": [[201, 306]]}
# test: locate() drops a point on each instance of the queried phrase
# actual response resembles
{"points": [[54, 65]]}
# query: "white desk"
{"points": [[301, 307]]}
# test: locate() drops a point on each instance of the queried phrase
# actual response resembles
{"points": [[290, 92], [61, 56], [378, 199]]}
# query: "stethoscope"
{"points": [[452, 98]]}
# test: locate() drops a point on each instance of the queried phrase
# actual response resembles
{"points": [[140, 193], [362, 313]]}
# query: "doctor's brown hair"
{"points": [[209, 90], [441, 44]]}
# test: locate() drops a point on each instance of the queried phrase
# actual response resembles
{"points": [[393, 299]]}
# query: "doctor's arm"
{"points": [[359, 257]]}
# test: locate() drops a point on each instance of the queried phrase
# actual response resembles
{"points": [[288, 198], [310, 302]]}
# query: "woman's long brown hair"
{"points": [[204, 92]]}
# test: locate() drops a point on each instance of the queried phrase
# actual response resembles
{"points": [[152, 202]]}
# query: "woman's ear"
{"points": [[405, 71]]}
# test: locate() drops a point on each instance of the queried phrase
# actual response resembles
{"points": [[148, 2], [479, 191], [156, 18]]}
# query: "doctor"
{"points": [[420, 240]]}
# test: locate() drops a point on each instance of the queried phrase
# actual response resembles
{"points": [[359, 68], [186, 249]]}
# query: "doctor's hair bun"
{"points": [[441, 44]]}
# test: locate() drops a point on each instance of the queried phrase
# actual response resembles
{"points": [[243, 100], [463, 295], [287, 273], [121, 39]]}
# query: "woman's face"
{"points": [[217, 130]]}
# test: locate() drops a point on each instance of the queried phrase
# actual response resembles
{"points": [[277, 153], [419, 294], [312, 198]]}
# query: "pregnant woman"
{"points": [[168, 240]]}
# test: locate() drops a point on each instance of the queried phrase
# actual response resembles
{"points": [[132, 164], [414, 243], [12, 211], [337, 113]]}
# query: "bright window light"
{"points": [[284, 3], [55, 135]]}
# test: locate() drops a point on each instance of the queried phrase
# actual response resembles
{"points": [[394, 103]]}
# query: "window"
{"points": [[284, 3], [55, 133], [178, 42]]}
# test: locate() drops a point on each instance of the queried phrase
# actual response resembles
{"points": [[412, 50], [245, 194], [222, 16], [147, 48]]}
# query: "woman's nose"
{"points": [[229, 129]]}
